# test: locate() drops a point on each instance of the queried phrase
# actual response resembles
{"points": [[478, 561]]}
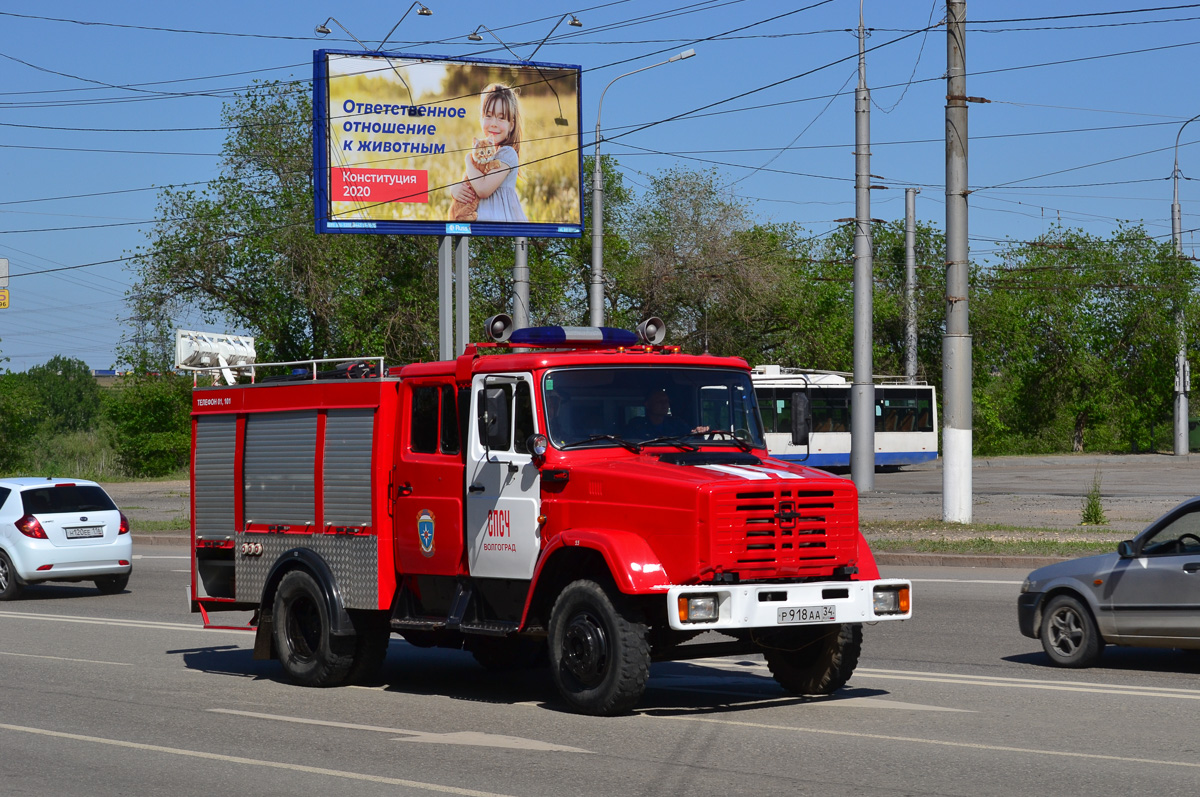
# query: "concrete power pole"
{"points": [[862, 397], [956, 342], [910, 284], [520, 314]]}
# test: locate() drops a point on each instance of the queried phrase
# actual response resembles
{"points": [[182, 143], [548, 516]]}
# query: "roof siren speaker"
{"points": [[499, 327], [652, 330]]}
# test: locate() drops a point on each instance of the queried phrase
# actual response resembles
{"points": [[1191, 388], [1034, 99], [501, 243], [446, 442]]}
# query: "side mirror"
{"points": [[1125, 549], [801, 418]]}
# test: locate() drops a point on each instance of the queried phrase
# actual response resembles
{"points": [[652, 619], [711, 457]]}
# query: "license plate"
{"points": [[81, 532], [807, 614]]}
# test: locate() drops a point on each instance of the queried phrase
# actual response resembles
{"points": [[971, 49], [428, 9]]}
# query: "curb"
{"points": [[166, 538], [890, 559], [965, 560]]}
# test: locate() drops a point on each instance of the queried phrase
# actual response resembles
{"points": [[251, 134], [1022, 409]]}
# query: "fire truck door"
{"points": [[503, 484], [428, 482]]}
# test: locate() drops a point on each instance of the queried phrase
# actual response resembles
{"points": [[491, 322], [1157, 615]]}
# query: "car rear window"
{"points": [[72, 498]]}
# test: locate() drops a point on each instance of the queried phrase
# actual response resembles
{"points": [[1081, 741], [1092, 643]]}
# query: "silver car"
{"points": [[1146, 594]]}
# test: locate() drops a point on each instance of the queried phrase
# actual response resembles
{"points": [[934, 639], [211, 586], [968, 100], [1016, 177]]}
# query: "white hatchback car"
{"points": [[61, 530]]}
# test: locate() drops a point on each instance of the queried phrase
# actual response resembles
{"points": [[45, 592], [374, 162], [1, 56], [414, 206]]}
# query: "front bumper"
{"points": [[745, 606], [1027, 609]]}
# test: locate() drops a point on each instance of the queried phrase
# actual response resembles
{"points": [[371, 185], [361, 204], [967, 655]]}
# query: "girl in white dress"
{"points": [[500, 119]]}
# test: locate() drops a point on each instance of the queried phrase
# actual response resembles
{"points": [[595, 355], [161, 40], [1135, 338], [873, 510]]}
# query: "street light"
{"points": [[323, 30], [596, 288], [1182, 372], [474, 36]]}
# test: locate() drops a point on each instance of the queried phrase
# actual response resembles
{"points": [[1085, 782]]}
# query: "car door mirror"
{"points": [[1125, 549], [801, 418]]}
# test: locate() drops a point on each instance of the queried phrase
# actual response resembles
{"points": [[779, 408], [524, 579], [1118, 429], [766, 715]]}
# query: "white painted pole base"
{"points": [[956, 475]]}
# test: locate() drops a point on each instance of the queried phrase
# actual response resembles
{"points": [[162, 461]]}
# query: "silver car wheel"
{"points": [[1066, 630]]}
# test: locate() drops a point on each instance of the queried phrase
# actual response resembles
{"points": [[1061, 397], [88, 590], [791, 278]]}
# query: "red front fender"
{"points": [[635, 567]]}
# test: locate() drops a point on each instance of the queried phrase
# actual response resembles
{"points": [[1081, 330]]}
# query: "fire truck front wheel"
{"points": [[310, 654], [816, 660], [599, 649]]}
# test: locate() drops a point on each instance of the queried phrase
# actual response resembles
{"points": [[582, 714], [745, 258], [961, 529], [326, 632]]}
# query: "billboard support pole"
{"points": [[445, 299], [520, 311], [462, 292]]}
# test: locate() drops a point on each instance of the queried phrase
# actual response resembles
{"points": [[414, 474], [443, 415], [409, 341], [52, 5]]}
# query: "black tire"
{"points": [[499, 654], [310, 654], [111, 585], [599, 649], [374, 632], [10, 585], [817, 660], [1069, 634]]}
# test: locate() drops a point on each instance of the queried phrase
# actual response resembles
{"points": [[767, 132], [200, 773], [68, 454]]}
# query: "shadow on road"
{"points": [[1123, 659]]}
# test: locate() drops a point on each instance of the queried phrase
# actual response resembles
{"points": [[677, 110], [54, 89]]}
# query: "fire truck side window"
{"points": [[523, 416], [449, 422], [423, 426]]}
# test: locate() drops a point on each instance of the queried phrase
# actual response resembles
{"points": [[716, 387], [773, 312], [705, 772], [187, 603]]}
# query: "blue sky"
{"points": [[104, 103]]}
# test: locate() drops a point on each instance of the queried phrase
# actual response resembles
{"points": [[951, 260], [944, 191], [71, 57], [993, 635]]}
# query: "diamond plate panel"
{"points": [[354, 561]]}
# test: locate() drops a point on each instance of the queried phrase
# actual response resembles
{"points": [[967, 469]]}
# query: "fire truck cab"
{"points": [[570, 496]]}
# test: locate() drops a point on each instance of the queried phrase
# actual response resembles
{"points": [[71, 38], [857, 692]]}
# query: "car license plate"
{"points": [[81, 532], [807, 614]]}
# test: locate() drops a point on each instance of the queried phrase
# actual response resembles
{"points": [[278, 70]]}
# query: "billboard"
{"points": [[415, 145]]}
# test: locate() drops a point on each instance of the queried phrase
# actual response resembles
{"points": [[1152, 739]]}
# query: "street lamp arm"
{"points": [[600, 105], [1175, 170], [424, 12]]}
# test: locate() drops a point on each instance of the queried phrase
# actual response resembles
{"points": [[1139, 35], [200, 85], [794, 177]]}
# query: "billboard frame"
{"points": [[322, 169]]}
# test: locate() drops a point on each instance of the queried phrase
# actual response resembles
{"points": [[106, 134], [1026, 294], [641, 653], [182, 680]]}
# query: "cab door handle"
{"points": [[475, 488], [404, 489]]}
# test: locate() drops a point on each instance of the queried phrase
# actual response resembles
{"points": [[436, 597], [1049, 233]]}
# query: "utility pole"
{"points": [[862, 397], [956, 342], [910, 284], [1183, 375], [520, 311]]}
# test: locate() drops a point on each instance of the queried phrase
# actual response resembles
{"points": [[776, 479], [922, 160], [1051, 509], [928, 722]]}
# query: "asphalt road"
{"points": [[128, 695]]}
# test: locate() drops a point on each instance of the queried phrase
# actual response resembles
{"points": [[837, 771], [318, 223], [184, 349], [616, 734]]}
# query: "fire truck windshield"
{"points": [[622, 406]]}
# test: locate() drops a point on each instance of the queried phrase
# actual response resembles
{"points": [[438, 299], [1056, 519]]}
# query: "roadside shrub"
{"points": [[149, 424], [19, 415], [1093, 509]]}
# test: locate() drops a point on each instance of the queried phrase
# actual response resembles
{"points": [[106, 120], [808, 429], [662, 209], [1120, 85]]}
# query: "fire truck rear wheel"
{"points": [[599, 649], [309, 652], [817, 660]]}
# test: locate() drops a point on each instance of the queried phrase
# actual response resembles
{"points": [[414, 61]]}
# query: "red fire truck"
{"points": [[533, 499]]}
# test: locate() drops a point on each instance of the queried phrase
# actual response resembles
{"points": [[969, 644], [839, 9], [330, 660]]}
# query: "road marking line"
{"points": [[934, 742], [64, 658], [1025, 683], [470, 738], [156, 625], [962, 581], [287, 766]]}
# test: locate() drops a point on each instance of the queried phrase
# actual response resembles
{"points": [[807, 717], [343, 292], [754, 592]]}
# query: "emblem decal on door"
{"points": [[425, 531]]}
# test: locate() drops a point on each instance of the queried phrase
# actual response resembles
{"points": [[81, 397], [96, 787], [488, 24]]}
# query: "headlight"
{"points": [[698, 609], [891, 600], [1026, 586]]}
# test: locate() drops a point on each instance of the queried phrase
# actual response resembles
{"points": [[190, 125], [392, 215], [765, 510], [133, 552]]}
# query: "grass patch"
{"points": [[942, 527], [994, 547], [151, 526]]}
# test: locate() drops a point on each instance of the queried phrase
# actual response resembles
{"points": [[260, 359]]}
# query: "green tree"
{"points": [[1075, 339], [20, 413], [242, 253], [149, 424], [67, 393]]}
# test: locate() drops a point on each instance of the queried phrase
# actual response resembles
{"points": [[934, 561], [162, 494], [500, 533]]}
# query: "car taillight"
{"points": [[30, 527], [124, 524]]}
